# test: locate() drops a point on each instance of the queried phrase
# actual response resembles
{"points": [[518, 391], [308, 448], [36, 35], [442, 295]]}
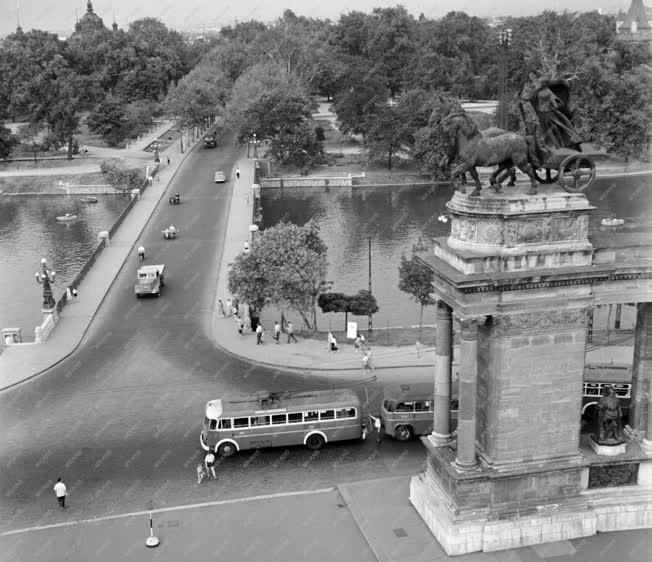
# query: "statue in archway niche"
{"points": [[610, 428]]}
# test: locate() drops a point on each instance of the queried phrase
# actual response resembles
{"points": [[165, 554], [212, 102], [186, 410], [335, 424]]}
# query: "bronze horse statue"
{"points": [[470, 148]]}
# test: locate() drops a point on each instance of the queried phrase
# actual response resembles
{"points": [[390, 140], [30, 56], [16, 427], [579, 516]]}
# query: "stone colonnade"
{"points": [[466, 457]]}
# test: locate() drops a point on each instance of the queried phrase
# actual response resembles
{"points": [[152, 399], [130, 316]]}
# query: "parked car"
{"points": [[219, 177]]}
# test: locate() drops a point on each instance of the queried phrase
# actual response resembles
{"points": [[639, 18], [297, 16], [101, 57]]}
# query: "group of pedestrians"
{"points": [[358, 345]]}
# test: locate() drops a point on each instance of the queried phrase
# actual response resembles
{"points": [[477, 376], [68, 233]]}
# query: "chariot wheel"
{"points": [[576, 173], [545, 175]]}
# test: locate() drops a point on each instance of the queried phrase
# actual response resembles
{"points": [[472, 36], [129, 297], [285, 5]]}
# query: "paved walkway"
{"points": [[361, 521], [21, 362]]}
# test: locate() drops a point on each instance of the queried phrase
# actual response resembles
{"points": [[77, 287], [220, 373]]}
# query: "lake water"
{"points": [[396, 218], [29, 231]]}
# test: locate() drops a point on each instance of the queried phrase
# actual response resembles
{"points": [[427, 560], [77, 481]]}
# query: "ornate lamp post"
{"points": [[255, 147], [504, 40], [46, 278]]}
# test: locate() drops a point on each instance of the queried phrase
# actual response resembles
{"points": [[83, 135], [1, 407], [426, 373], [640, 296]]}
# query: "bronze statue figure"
{"points": [[609, 430], [471, 148], [550, 99]]}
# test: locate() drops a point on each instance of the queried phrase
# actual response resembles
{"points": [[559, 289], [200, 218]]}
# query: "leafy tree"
{"points": [[416, 279], [386, 133], [363, 303], [286, 267], [118, 175], [7, 142], [199, 95], [107, 120], [249, 281], [334, 302]]}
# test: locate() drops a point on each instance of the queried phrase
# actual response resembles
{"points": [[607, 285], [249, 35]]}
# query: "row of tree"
{"points": [[386, 71], [287, 267], [120, 77]]}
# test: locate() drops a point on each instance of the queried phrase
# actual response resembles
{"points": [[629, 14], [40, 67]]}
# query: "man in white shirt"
{"points": [[209, 461], [277, 332], [259, 334], [141, 252], [60, 491]]}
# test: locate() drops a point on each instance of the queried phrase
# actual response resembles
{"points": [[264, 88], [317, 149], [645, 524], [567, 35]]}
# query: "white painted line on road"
{"points": [[167, 509]]}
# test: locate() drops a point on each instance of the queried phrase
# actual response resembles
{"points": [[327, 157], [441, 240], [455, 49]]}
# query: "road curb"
{"points": [[92, 317]]}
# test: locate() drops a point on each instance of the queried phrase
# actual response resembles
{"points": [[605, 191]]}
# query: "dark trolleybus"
{"points": [[312, 418]]}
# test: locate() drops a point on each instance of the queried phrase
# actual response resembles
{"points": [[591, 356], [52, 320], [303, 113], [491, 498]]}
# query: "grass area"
{"points": [[165, 140], [47, 184], [49, 163]]}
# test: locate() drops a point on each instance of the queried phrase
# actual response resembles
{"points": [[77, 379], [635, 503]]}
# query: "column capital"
{"points": [[469, 327]]}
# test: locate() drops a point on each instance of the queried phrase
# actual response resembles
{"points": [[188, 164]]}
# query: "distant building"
{"points": [[636, 24], [90, 21]]}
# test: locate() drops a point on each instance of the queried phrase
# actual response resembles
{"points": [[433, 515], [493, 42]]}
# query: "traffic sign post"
{"points": [[151, 541]]}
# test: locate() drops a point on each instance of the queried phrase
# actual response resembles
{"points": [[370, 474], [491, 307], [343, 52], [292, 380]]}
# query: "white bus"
{"points": [[312, 418]]}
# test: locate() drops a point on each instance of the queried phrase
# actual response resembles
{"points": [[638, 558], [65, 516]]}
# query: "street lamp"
{"points": [[504, 40], [45, 278], [255, 147]]}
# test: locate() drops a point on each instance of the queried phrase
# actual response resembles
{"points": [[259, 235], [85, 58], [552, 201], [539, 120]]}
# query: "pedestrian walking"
{"points": [[330, 341], [362, 341], [417, 347], [246, 246], [141, 253], [220, 307], [60, 491], [200, 474], [334, 344], [209, 462], [237, 173], [236, 305], [277, 333], [366, 361], [259, 334], [229, 307], [378, 427], [168, 160], [240, 326], [291, 333], [356, 343]]}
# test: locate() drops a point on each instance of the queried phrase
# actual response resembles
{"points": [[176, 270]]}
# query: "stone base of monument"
{"points": [[486, 511], [608, 450]]}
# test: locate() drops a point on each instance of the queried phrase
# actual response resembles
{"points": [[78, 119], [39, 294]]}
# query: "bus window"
{"points": [[295, 418], [213, 425], [278, 419], [346, 413], [241, 422], [327, 415], [259, 420], [391, 406], [422, 406], [225, 423], [310, 416], [405, 407]]}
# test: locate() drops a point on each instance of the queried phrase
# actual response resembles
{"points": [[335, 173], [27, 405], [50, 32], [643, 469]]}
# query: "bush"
{"points": [[120, 176]]}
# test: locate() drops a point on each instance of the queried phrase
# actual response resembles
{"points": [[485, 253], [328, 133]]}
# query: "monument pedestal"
{"points": [[520, 269]]}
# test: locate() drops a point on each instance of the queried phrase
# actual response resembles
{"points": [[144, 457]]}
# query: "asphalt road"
{"points": [[120, 419]]}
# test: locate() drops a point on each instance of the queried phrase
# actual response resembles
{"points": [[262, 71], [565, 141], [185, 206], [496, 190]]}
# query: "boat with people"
{"points": [[67, 217], [612, 222]]}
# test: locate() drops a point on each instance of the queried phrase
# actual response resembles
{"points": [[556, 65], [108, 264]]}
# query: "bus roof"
{"points": [[231, 405], [410, 391], [608, 373]]}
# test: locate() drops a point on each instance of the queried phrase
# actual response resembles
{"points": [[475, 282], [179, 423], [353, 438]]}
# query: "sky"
{"points": [[59, 15]]}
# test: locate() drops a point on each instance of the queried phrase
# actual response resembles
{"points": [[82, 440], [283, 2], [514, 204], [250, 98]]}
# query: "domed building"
{"points": [[90, 21]]}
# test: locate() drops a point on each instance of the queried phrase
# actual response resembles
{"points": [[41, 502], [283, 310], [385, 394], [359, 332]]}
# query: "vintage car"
{"points": [[151, 278], [219, 177]]}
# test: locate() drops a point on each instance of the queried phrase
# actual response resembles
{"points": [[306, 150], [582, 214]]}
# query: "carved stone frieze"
{"points": [[541, 320]]}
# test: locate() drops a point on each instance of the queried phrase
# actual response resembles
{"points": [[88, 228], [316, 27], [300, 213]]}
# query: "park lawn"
{"points": [[48, 184], [48, 162]]}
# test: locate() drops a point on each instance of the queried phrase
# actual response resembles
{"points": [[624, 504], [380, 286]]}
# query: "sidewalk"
{"points": [[309, 354], [361, 522], [21, 362]]}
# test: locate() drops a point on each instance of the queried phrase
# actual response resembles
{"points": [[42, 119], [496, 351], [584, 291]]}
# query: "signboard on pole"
{"points": [[351, 330]]}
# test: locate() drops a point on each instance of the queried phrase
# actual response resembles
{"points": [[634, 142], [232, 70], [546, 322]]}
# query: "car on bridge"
{"points": [[219, 177]]}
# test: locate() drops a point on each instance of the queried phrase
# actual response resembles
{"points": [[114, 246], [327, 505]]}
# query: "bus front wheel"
{"points": [[226, 449], [315, 442], [403, 432]]}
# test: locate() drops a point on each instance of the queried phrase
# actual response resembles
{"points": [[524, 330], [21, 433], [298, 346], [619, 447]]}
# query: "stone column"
{"points": [[639, 417], [441, 435], [641, 406], [466, 421]]}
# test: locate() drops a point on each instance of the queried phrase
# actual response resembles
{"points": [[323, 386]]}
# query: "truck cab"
{"points": [[150, 280]]}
